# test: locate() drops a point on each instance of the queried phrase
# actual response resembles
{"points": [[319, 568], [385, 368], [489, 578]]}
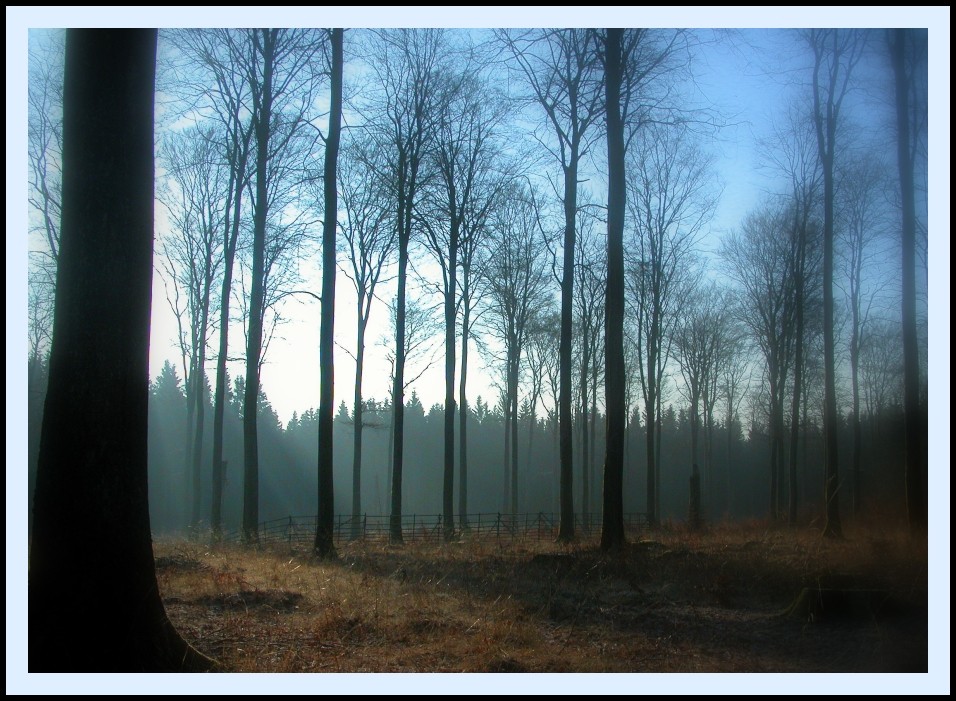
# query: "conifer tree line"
{"points": [[542, 201]]}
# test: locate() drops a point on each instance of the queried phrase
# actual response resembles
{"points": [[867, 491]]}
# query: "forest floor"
{"points": [[729, 599]]}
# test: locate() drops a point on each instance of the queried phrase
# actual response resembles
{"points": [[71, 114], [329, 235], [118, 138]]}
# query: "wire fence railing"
{"points": [[430, 527]]}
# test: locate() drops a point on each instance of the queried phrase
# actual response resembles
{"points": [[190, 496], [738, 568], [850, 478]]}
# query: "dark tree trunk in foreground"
{"points": [[325, 522], [94, 601], [612, 531], [914, 434]]}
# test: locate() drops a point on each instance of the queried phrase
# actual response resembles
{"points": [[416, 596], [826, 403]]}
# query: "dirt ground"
{"points": [[730, 599]]}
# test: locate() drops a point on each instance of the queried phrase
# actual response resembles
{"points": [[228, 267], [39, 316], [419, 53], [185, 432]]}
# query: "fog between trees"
{"points": [[473, 200]]}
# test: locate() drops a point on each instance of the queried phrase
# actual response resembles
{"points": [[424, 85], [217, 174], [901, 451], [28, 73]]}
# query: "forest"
{"points": [[535, 212]]}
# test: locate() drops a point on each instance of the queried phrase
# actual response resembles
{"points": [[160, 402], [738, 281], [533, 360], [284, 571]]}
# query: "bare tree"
{"points": [[544, 362], [881, 367], [671, 201], [407, 67], [699, 338], [195, 196], [590, 296], [368, 236], [282, 76], [420, 353], [793, 154], [45, 138], [560, 71], [464, 152], [537, 356], [224, 93], [475, 228], [734, 375], [515, 269], [860, 216], [323, 545], [835, 53], [759, 259], [44, 158]]}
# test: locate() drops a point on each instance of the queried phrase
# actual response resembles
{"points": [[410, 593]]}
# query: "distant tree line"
{"points": [[734, 487]]}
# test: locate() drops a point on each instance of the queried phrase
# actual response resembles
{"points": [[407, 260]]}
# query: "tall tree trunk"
{"points": [[325, 523], [463, 409], [506, 457], [513, 393], [448, 477], [398, 392], [825, 121], [91, 511], [830, 417], [651, 404], [566, 528], [592, 458], [238, 159], [190, 485], [585, 453], [797, 370], [200, 427], [916, 499], [650, 431], [615, 380], [250, 431], [199, 387], [857, 426], [729, 471], [357, 421], [772, 430]]}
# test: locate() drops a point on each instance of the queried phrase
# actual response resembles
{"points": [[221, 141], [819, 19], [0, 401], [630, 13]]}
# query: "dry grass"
{"points": [[682, 602]]}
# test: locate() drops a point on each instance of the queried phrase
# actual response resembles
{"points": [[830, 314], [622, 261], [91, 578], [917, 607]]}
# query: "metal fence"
{"points": [[429, 528]]}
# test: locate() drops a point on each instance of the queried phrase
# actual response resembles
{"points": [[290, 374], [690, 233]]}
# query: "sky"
{"points": [[739, 89], [739, 196]]}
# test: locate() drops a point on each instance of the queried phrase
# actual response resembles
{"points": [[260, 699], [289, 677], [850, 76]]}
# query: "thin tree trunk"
{"points": [[237, 185], [585, 453], [797, 377], [250, 502], [463, 409], [826, 135], [566, 529], [506, 457], [357, 424], [325, 523], [448, 477], [513, 391], [398, 393]]}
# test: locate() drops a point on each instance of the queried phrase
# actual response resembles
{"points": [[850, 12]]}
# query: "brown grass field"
{"points": [[730, 599]]}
